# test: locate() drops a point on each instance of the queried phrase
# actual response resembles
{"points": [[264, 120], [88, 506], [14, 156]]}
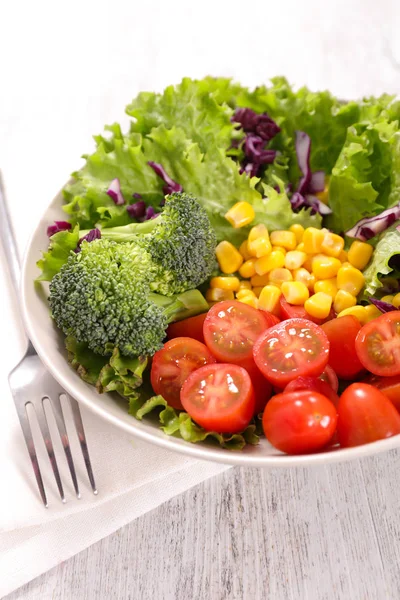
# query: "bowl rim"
{"points": [[198, 451]]}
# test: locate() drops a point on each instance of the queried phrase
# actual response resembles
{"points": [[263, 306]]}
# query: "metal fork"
{"points": [[32, 385]]}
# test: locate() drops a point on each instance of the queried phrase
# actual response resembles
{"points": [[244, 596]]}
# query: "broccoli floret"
{"points": [[180, 241], [102, 296]]}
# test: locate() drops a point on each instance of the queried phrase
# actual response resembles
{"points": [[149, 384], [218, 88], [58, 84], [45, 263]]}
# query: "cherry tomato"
{"points": [[270, 318], [330, 377], [299, 422], [378, 345], [230, 330], [173, 364], [342, 333], [219, 397], [293, 348], [390, 386], [289, 311], [261, 386], [313, 383], [365, 415], [191, 327]]}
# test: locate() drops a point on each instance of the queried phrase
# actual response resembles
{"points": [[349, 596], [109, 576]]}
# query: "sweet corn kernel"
{"points": [[257, 290], [258, 242], [245, 285], [294, 259], [240, 215], [279, 249], [275, 260], [300, 247], [247, 269], [357, 311], [244, 251], [332, 244], [343, 256], [225, 283], [359, 254], [217, 295], [312, 240], [350, 279], [319, 305], [298, 231], [295, 292], [328, 286], [287, 239], [372, 312], [308, 262], [305, 277], [229, 259], [343, 300], [269, 299], [325, 267], [242, 293], [250, 300], [346, 264], [388, 299], [278, 276], [324, 195], [396, 301], [259, 280]]}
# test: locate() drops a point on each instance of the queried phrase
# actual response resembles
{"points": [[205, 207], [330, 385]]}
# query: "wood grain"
{"points": [[325, 533]]}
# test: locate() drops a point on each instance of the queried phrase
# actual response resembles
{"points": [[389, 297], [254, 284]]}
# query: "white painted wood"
{"points": [[309, 534]]}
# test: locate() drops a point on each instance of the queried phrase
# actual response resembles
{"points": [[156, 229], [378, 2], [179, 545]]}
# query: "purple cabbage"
{"points": [[137, 196], [58, 226], [94, 234], [114, 191], [259, 130], [137, 210], [170, 185], [310, 183], [150, 213], [369, 227], [384, 307]]}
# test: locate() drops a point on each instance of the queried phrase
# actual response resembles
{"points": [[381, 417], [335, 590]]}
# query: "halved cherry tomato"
{"points": [[378, 345], [299, 422], [289, 311], [270, 318], [230, 330], [219, 397], [173, 364], [365, 415], [390, 386], [293, 348], [330, 377], [191, 327], [342, 333], [313, 383]]}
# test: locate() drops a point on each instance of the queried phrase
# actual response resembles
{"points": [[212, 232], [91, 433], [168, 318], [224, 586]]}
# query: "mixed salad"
{"points": [[231, 265]]}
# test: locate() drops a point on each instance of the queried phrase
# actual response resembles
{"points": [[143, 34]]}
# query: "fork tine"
{"points": [[82, 439], [62, 430], [27, 432], [44, 428]]}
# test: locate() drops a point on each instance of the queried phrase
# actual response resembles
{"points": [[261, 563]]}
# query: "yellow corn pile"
{"points": [[308, 266]]}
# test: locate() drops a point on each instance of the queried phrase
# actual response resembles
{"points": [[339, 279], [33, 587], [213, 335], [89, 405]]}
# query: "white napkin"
{"points": [[132, 477]]}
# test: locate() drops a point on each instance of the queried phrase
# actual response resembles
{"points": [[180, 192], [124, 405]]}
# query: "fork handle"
{"points": [[8, 239]]}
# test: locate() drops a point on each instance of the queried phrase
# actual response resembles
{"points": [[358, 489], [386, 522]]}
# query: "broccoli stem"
{"points": [[125, 233], [181, 306]]}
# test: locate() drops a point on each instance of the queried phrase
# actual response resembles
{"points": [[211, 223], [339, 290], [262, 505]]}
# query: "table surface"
{"points": [[311, 534], [319, 534]]}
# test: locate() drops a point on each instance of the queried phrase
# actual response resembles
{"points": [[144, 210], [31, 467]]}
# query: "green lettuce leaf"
{"points": [[84, 361], [365, 179], [60, 246], [387, 247], [180, 424]]}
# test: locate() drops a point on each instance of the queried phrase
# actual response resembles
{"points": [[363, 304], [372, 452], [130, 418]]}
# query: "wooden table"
{"points": [[325, 533]]}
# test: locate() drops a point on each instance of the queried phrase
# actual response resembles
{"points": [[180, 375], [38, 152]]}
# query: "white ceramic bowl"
{"points": [[48, 342]]}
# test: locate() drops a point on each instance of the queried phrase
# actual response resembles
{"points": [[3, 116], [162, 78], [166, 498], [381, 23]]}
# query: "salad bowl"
{"points": [[49, 344]]}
